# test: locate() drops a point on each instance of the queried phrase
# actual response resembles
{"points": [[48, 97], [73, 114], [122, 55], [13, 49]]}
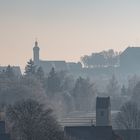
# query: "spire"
{"points": [[36, 43], [36, 47]]}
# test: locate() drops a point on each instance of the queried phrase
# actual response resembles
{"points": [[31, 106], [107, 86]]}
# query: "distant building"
{"points": [[130, 60], [16, 70], [58, 65], [3, 134], [103, 129], [128, 63]]}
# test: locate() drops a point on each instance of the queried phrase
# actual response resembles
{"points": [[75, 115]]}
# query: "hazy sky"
{"points": [[66, 29]]}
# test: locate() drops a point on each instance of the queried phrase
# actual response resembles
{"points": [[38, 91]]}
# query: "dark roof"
{"points": [[58, 65], [2, 127], [3, 134], [101, 133], [102, 102], [89, 132]]}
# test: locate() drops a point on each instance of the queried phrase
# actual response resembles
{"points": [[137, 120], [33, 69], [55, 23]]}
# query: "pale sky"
{"points": [[66, 29]]}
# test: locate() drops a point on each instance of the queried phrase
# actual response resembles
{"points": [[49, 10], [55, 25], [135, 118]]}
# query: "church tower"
{"points": [[36, 54], [103, 111]]}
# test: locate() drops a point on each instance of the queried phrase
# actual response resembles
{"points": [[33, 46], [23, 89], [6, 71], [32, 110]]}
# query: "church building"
{"points": [[47, 65]]}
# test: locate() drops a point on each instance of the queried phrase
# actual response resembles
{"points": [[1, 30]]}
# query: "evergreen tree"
{"points": [[53, 82], [30, 68], [40, 74]]}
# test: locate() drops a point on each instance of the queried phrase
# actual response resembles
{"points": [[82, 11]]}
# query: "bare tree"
{"points": [[133, 84], [129, 116], [12, 90], [136, 94], [31, 121]]}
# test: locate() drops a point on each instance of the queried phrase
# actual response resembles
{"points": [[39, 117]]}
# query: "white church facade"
{"points": [[47, 65]]}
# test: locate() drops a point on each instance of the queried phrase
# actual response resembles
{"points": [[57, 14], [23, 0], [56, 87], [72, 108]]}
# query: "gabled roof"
{"points": [[103, 102], [131, 51], [56, 64]]}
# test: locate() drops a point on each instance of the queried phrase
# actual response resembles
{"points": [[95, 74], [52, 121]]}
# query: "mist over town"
{"points": [[69, 70]]}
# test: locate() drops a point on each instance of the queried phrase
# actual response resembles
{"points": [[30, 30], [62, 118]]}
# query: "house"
{"points": [[102, 129], [130, 60], [3, 134], [16, 70]]}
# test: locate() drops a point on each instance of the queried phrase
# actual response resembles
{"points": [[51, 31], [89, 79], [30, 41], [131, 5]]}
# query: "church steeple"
{"points": [[36, 43], [36, 53]]}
